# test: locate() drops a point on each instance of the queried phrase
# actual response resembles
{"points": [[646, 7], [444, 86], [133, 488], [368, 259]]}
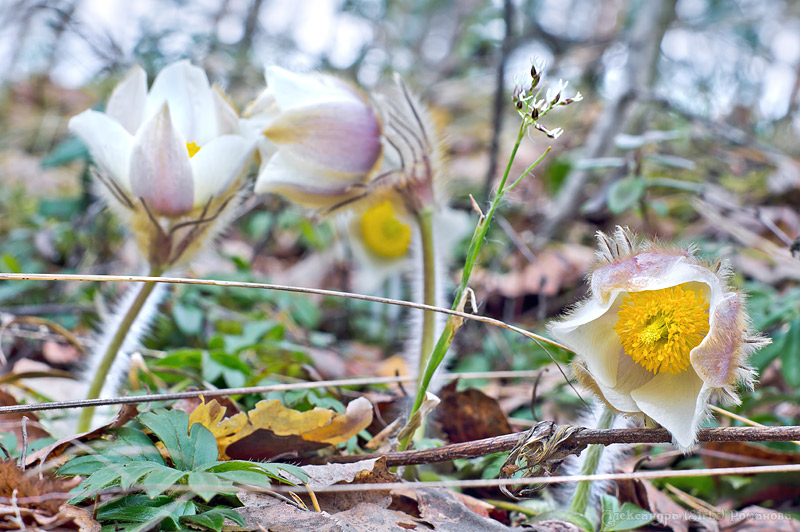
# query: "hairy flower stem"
{"points": [[425, 222], [475, 245], [583, 491], [110, 355]]}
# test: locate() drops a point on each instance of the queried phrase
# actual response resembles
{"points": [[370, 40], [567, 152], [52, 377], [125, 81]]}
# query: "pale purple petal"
{"points": [[161, 174], [716, 359], [109, 144], [341, 137], [127, 103]]}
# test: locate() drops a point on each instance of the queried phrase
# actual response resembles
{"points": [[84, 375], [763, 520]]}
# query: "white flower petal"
{"points": [[676, 403], [630, 376], [109, 144], [301, 183], [127, 102], [589, 331], [218, 164], [186, 90], [341, 136], [292, 90], [227, 117], [161, 174]]}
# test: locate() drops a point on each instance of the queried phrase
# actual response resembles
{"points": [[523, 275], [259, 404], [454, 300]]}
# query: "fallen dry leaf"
{"points": [[271, 429], [13, 422], [125, 414], [756, 518], [470, 415]]}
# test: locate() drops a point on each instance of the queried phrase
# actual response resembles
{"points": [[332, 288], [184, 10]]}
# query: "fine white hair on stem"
{"points": [[107, 329], [411, 351], [612, 456]]}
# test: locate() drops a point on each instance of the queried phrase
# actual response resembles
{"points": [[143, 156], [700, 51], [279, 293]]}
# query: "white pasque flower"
{"points": [[660, 333], [319, 138], [171, 156]]}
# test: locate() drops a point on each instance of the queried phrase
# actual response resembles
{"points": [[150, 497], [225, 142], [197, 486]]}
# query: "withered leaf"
{"points": [[13, 422], [271, 429], [470, 415]]}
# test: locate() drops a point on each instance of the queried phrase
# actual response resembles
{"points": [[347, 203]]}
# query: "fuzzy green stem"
{"points": [[580, 499], [425, 222], [110, 355], [475, 245]]}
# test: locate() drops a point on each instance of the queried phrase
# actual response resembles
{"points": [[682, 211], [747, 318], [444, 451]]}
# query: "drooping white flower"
{"points": [[320, 139], [171, 158], [660, 334]]}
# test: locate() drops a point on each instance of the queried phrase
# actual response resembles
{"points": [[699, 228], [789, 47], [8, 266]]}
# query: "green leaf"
{"points": [[65, 152], [565, 515], [204, 447], [136, 445], [270, 469], [188, 318], [627, 517], [625, 193], [215, 518], [130, 473], [790, 354], [172, 428], [206, 485], [102, 478], [161, 480]]}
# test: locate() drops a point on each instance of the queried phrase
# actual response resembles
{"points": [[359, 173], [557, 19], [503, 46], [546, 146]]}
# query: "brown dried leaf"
{"points": [[13, 422], [125, 414], [470, 415], [756, 518], [372, 471], [263, 511], [271, 429], [739, 453], [37, 494]]}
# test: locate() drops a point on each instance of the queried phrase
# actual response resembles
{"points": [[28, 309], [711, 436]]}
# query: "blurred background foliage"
{"points": [[687, 132]]}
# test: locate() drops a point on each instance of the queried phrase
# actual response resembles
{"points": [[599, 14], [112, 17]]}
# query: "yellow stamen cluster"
{"points": [[384, 234], [659, 328], [192, 148]]}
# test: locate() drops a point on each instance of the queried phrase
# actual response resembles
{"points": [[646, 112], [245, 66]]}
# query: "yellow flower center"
{"points": [[384, 234], [659, 328], [192, 148]]}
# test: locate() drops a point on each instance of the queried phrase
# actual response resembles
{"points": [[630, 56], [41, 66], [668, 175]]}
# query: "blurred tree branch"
{"points": [[643, 41]]}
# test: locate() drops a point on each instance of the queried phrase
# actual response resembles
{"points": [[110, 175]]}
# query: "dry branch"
{"points": [[579, 440]]}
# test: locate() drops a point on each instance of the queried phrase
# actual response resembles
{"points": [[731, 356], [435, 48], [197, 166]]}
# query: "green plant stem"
{"points": [[475, 245], [425, 222], [580, 499], [110, 355]]}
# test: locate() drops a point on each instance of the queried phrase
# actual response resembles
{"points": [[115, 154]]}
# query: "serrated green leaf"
{"points": [[130, 473], [206, 485], [107, 476], [161, 480], [172, 428], [136, 445], [625, 193], [204, 450]]}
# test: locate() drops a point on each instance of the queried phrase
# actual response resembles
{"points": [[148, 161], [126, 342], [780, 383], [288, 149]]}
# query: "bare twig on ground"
{"points": [[580, 439]]}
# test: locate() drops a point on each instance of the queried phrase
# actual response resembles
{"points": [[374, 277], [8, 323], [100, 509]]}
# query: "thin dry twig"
{"points": [[481, 483], [305, 385], [284, 288], [578, 440]]}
